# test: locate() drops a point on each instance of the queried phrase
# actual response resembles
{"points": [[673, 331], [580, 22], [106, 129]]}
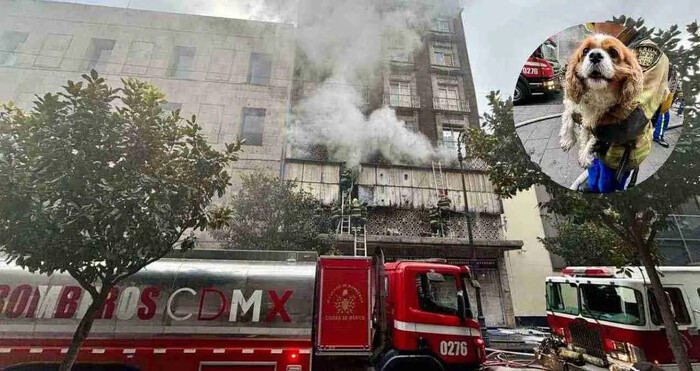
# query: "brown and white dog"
{"points": [[603, 80]]}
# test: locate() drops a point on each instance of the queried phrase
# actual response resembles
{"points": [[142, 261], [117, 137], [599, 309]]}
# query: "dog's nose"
{"points": [[595, 57]]}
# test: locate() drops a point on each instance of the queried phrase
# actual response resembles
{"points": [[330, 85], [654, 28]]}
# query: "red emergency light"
{"points": [[588, 272]]}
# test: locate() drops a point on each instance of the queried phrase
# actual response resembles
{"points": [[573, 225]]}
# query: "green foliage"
{"points": [[639, 213], [586, 244], [99, 182], [269, 214]]}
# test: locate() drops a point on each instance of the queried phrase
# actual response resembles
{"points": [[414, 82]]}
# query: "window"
{"points": [[252, 128], [11, 41], [444, 56], [170, 107], [437, 297], [182, 63], [99, 53], [400, 94], [562, 297], [399, 55], [448, 97], [408, 125], [678, 308], [612, 303], [259, 69], [450, 136], [441, 25]]}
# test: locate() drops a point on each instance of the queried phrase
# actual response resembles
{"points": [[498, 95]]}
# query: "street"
{"points": [[541, 140]]}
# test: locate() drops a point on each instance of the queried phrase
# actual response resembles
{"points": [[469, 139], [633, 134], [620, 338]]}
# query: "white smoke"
{"points": [[346, 41], [331, 117]]}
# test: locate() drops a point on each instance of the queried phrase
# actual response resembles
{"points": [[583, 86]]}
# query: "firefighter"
{"points": [[623, 145]]}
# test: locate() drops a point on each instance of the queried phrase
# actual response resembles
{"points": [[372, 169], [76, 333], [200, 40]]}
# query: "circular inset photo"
{"points": [[598, 107]]}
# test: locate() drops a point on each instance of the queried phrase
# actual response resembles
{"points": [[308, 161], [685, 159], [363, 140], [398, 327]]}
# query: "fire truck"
{"points": [[341, 313], [608, 317], [540, 75]]}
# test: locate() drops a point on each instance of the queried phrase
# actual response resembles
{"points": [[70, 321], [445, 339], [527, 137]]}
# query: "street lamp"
{"points": [[474, 282]]}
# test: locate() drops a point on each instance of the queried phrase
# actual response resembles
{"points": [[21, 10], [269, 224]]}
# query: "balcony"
{"points": [[402, 100], [450, 104]]}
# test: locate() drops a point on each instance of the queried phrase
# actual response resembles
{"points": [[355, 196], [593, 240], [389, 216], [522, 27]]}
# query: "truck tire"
{"points": [[521, 93], [394, 361]]}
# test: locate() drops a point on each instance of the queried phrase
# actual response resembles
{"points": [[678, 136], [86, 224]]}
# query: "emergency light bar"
{"points": [[588, 271]]}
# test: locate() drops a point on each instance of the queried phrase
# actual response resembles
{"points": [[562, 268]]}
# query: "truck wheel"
{"points": [[393, 361], [521, 93]]}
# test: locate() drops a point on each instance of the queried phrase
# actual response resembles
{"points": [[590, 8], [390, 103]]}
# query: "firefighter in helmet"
{"points": [[623, 145]]}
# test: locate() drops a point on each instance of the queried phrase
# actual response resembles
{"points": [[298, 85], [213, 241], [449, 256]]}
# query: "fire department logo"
{"points": [[648, 56], [345, 298]]}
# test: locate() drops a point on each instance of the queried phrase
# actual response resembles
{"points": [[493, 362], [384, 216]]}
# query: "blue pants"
{"points": [[601, 179], [661, 125]]}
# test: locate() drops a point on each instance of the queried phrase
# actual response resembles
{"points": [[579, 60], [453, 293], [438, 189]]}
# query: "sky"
{"points": [[500, 34]]}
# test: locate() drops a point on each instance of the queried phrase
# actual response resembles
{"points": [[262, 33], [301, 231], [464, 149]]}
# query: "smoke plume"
{"points": [[345, 42]]}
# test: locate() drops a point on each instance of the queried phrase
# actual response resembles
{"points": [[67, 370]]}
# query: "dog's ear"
{"points": [[633, 80], [574, 88]]}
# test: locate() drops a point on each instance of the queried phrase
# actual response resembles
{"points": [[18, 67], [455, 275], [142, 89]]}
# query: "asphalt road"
{"points": [[541, 140]]}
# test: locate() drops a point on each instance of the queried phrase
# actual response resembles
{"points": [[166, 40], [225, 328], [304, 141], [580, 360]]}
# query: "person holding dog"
{"points": [[625, 144]]}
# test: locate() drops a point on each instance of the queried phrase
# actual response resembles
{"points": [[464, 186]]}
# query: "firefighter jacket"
{"points": [[634, 133]]}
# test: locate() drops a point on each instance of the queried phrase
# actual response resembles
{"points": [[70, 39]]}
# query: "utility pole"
{"points": [[475, 283]]}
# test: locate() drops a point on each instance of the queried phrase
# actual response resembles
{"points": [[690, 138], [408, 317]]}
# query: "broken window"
{"points": [[182, 63], [252, 126], [444, 56], [10, 42], [99, 53], [450, 136], [259, 69]]}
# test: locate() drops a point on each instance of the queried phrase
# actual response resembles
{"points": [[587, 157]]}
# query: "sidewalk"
{"points": [[541, 141]]}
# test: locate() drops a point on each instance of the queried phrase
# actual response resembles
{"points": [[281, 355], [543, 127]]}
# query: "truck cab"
{"points": [[429, 315], [540, 75]]}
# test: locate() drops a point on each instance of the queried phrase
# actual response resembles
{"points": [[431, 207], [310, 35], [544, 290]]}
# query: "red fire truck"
{"points": [[214, 315], [608, 317], [540, 74]]}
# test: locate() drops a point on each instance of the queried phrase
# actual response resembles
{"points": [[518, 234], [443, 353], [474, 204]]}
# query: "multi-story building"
{"points": [[235, 75], [238, 77], [431, 91]]}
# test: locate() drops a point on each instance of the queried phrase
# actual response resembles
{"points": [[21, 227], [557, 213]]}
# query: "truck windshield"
{"points": [[612, 303], [437, 297], [549, 52], [562, 297]]}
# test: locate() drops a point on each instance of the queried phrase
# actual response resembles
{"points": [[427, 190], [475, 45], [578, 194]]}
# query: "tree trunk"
{"points": [[672, 334], [83, 329]]}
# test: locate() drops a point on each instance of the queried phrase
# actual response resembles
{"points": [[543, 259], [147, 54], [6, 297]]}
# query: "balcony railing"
{"points": [[450, 104], [402, 100]]}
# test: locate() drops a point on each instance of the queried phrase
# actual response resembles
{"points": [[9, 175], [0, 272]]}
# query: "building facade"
{"points": [[234, 75], [243, 78], [432, 93]]}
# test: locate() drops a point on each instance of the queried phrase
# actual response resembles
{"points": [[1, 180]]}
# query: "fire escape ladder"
{"points": [[344, 224], [439, 180], [360, 241]]}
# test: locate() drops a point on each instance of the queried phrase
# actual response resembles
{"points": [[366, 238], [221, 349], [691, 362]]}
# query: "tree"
{"points": [[270, 214], [99, 182], [586, 244], [637, 215]]}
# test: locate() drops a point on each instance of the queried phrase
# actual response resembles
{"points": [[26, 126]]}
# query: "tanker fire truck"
{"points": [[540, 75], [607, 317], [340, 313]]}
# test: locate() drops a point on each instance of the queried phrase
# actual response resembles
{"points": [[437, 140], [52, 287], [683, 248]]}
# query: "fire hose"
{"points": [[501, 358]]}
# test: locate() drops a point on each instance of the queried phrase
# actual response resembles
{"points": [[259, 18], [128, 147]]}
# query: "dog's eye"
{"points": [[586, 50], [613, 53]]}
